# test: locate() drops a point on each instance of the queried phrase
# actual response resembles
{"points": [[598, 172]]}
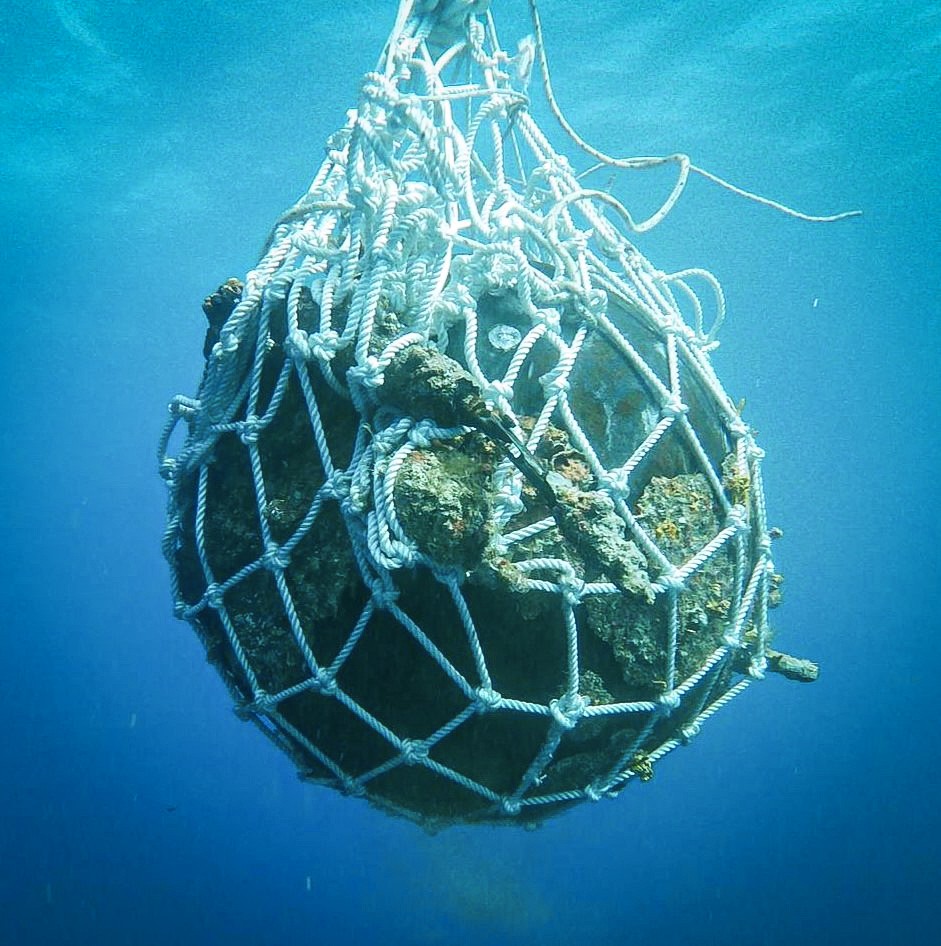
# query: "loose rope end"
{"points": [[775, 205], [644, 163]]}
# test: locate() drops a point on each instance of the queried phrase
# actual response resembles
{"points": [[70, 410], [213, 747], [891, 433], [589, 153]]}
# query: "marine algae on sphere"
{"points": [[444, 497]]}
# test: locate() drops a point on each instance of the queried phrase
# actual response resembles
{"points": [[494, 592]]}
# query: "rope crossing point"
{"points": [[463, 515]]}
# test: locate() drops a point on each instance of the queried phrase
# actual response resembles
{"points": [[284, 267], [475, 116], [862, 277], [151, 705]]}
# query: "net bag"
{"points": [[463, 516]]}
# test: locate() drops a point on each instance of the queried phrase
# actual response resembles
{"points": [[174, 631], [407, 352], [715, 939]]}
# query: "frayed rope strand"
{"points": [[643, 163]]}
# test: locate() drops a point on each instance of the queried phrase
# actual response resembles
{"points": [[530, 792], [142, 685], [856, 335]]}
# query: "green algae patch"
{"points": [[444, 502], [681, 515]]}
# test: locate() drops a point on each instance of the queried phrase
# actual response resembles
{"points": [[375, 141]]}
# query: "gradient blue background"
{"points": [[145, 149]]}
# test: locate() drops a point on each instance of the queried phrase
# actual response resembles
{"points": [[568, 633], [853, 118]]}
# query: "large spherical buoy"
{"points": [[463, 515]]}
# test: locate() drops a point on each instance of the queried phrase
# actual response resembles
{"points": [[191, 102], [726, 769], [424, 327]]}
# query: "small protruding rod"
{"points": [[794, 668]]}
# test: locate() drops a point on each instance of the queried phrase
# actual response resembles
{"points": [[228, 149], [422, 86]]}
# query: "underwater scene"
{"points": [[470, 472]]}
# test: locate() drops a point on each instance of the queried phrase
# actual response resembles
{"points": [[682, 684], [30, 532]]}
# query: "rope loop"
{"points": [[263, 703], [550, 318]]}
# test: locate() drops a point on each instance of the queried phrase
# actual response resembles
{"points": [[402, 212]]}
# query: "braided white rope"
{"points": [[438, 191]]}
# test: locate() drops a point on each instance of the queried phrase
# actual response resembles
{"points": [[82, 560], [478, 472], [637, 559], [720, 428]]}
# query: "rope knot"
{"points": [[414, 751], [555, 382], [423, 433], [497, 392], [757, 667], [673, 407], [384, 598], [511, 806], [669, 701], [263, 703], [488, 699], [670, 581], [325, 683], [249, 429], [737, 519], [376, 87], [351, 787], [337, 485], [568, 710], [615, 483], [370, 374], [548, 317], [275, 558], [572, 588], [507, 500], [506, 222], [296, 345], [213, 596]]}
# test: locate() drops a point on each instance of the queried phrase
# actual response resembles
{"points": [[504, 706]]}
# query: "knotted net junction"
{"points": [[463, 515]]}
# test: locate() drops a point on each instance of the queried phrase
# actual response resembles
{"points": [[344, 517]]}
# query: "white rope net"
{"points": [[463, 515]]}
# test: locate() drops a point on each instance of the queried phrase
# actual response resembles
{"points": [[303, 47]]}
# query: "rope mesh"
{"points": [[463, 515]]}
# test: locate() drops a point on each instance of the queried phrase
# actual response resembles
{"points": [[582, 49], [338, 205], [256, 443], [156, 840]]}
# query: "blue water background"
{"points": [[145, 149]]}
